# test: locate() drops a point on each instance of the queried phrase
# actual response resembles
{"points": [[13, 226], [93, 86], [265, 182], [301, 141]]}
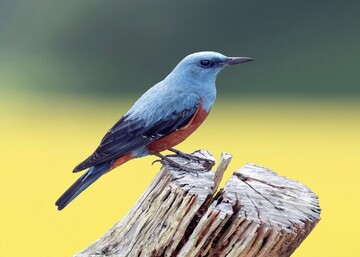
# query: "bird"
{"points": [[164, 116]]}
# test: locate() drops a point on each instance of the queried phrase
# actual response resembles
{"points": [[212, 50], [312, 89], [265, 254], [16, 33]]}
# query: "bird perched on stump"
{"points": [[161, 118]]}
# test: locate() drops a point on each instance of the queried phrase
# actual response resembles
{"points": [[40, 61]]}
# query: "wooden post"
{"points": [[257, 213]]}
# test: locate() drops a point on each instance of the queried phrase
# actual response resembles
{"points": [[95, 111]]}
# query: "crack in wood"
{"points": [[256, 208], [259, 193], [257, 213]]}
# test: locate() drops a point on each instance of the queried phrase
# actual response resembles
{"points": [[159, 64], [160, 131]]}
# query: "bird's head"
{"points": [[205, 66]]}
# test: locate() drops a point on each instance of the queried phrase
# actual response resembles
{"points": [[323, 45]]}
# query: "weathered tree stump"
{"points": [[257, 213]]}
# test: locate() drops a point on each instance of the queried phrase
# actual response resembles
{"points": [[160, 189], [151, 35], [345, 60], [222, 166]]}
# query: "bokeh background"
{"points": [[70, 69]]}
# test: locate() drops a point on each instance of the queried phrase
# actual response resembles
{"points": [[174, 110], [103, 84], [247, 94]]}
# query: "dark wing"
{"points": [[129, 134]]}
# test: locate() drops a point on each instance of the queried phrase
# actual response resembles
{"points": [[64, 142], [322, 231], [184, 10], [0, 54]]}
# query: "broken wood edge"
{"points": [[257, 213], [225, 160], [162, 219]]}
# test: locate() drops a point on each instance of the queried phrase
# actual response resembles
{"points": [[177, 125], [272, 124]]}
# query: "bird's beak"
{"points": [[237, 60]]}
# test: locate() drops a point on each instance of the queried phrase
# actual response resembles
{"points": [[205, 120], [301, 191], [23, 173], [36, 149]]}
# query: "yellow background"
{"points": [[311, 140]]}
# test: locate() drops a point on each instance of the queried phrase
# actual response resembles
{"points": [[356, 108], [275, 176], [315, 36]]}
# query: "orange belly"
{"points": [[170, 140], [121, 160], [179, 135]]}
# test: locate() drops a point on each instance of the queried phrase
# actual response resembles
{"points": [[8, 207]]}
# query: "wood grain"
{"points": [[257, 213]]}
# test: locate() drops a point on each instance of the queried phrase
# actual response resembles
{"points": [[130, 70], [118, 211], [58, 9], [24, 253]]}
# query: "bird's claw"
{"points": [[205, 164], [190, 157], [159, 160], [181, 167]]}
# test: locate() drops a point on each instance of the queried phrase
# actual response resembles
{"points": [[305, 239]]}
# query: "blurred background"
{"points": [[70, 69]]}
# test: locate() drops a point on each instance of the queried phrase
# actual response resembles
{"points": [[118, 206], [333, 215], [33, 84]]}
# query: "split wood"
{"points": [[257, 213]]}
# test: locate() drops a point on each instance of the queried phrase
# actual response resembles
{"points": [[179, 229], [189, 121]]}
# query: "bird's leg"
{"points": [[187, 156], [179, 153], [167, 160]]}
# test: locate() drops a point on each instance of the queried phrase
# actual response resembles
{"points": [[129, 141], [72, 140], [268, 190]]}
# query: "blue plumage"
{"points": [[164, 109], [82, 183]]}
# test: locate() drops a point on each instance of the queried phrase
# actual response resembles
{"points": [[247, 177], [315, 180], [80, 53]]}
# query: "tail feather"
{"points": [[81, 184]]}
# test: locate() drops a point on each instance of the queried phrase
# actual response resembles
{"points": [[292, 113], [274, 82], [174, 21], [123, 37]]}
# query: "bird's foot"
{"points": [[191, 157], [175, 164], [183, 165]]}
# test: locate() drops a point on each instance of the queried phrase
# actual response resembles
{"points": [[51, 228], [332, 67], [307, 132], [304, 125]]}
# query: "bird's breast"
{"points": [[181, 134]]}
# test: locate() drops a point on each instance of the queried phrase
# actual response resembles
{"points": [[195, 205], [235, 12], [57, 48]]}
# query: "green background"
{"points": [[302, 48]]}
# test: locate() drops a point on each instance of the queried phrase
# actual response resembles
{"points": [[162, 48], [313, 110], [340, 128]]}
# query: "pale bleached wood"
{"points": [[162, 217], [258, 213]]}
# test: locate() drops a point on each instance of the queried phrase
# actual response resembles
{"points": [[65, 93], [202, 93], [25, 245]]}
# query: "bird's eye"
{"points": [[205, 63]]}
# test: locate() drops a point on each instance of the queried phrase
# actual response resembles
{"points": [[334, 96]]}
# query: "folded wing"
{"points": [[130, 133]]}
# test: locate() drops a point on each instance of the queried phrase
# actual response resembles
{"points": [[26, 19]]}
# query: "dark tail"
{"points": [[81, 184]]}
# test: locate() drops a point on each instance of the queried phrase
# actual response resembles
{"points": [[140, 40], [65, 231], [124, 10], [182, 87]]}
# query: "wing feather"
{"points": [[129, 134]]}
